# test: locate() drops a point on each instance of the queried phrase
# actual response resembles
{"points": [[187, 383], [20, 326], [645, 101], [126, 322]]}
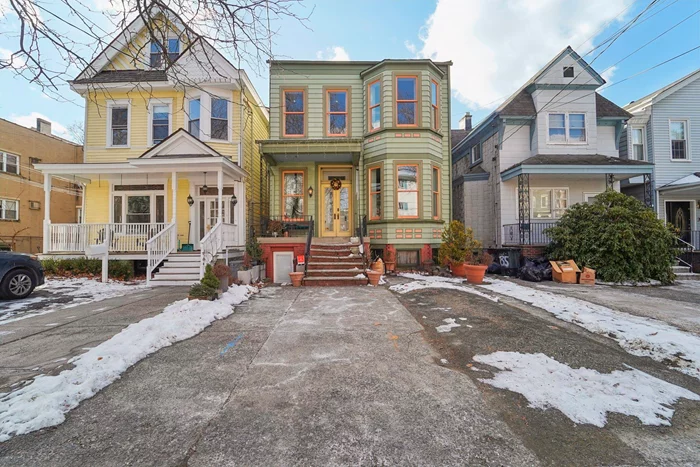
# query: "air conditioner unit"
{"points": [[36, 205]]}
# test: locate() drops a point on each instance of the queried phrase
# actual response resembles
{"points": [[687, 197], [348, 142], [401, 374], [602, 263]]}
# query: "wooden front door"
{"points": [[336, 210]]}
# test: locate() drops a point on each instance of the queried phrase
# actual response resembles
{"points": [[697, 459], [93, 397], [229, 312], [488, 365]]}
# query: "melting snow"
{"points": [[584, 395], [447, 327], [639, 336], [45, 401], [437, 282]]}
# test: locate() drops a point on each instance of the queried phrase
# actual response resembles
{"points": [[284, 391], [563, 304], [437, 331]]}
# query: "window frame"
{"points": [[118, 104], [328, 112], [303, 113], [435, 108], [284, 196], [686, 132], [415, 101], [472, 160], [159, 102], [212, 98], [164, 50], [567, 129], [379, 168], [417, 165], [435, 192], [152, 194], [569, 67], [644, 142], [3, 209], [551, 200], [370, 107], [191, 99], [3, 162]]}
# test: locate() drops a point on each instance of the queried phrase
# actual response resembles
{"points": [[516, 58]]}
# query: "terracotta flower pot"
{"points": [[296, 278], [374, 277], [378, 266], [390, 266], [475, 273], [458, 269]]}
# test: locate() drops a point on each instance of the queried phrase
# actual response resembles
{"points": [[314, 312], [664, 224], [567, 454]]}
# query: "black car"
{"points": [[19, 274]]}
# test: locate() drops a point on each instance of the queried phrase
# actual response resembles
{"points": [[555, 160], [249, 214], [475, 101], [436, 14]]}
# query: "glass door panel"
{"points": [[344, 210], [328, 210]]}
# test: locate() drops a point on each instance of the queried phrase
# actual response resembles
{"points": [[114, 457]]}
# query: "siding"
{"points": [[97, 202]]}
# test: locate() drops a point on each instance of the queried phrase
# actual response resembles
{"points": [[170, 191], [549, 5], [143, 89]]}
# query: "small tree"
{"points": [[453, 248], [253, 249], [209, 279], [617, 236]]}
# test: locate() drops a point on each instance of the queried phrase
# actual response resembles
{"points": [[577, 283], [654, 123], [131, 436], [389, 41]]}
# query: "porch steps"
{"points": [[683, 273], [331, 264], [182, 268]]}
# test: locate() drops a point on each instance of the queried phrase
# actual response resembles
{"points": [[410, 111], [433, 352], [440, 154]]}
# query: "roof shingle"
{"points": [[520, 106], [606, 108], [124, 76]]}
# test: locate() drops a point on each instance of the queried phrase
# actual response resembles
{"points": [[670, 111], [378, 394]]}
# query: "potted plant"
{"points": [[222, 272], [296, 278], [244, 274], [275, 228], [254, 250], [374, 277], [477, 263], [210, 281], [453, 249], [199, 291], [390, 258]]}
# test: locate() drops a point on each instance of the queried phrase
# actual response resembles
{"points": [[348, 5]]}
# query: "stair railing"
{"points": [[307, 251], [683, 247], [361, 232], [209, 247], [159, 247]]}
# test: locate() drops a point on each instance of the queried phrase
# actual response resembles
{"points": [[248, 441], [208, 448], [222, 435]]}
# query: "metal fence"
{"points": [[534, 233], [282, 226]]}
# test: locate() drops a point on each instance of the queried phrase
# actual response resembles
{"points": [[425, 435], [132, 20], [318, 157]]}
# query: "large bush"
{"points": [[617, 236]]}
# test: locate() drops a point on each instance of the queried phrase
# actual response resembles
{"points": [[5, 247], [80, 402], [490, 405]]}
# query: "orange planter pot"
{"points": [[374, 277], [296, 278], [458, 269], [475, 273]]}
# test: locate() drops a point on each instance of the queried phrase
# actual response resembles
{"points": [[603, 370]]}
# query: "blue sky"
{"points": [[495, 45]]}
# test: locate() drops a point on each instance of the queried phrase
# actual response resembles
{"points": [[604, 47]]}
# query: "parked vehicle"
{"points": [[19, 274]]}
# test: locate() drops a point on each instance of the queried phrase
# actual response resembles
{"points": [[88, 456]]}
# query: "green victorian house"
{"points": [[357, 149]]}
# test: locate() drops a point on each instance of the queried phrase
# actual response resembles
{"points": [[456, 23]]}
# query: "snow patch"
{"points": [[447, 327], [585, 395], [47, 399], [443, 361], [436, 282], [644, 337]]}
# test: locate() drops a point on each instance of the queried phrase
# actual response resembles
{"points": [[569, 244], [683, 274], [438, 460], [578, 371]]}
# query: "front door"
{"points": [[208, 214], [336, 209], [678, 214]]}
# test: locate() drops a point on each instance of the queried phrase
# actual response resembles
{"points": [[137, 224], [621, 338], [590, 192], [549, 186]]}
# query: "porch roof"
{"points": [[691, 181], [562, 164], [312, 150]]}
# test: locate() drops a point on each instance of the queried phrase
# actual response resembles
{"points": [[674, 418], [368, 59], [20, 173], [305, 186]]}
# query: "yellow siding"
{"points": [[183, 209], [256, 127], [97, 202]]}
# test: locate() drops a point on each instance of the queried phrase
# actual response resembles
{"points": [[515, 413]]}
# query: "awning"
{"points": [[574, 164], [688, 182]]}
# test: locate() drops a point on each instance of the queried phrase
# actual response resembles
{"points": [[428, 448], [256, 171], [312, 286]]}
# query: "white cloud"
{"points": [[608, 75], [15, 62], [30, 122], [335, 53], [497, 45]]}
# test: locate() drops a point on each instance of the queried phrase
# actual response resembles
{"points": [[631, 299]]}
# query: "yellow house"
{"points": [[172, 171]]}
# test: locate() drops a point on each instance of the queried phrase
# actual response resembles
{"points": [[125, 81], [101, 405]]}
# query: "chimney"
{"points": [[43, 126], [466, 122]]}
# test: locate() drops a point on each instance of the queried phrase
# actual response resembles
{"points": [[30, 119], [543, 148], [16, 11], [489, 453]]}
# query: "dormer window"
{"points": [[568, 72], [157, 51]]}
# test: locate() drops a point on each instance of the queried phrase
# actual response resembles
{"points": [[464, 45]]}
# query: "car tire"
{"points": [[18, 283]]}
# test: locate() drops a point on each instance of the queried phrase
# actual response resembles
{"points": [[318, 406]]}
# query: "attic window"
{"points": [[157, 52], [568, 72]]}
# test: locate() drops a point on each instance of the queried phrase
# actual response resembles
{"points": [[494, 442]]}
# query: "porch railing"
{"points": [[123, 237], [221, 237], [307, 251], [159, 247], [294, 227], [535, 231]]}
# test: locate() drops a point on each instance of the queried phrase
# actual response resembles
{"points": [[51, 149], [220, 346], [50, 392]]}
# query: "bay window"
{"points": [[567, 128], [436, 192], [375, 193], [375, 106], [219, 119], [9, 163], [679, 140], [293, 110], [406, 101], [434, 107], [549, 203], [407, 191], [9, 209], [337, 113], [638, 144], [293, 195]]}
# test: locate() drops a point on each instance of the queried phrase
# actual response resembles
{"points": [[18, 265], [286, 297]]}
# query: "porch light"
{"points": [[205, 188], [190, 201], [234, 200], [311, 192]]}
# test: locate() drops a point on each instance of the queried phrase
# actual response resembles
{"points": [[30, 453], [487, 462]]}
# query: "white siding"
{"points": [[516, 146], [606, 141]]}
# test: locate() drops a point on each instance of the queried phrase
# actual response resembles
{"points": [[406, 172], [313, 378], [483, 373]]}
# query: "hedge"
{"points": [[122, 270]]}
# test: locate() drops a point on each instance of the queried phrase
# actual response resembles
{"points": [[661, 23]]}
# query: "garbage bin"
{"points": [[509, 259]]}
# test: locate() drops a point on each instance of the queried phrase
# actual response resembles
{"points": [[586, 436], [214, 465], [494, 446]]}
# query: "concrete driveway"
{"points": [[310, 376]]}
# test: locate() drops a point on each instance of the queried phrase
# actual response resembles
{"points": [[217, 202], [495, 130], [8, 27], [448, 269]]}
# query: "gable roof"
{"points": [[665, 91], [183, 138]]}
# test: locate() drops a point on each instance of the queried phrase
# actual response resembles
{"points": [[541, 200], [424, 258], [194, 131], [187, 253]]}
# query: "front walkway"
{"points": [[310, 376]]}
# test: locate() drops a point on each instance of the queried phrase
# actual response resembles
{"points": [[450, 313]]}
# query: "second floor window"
{"points": [[407, 191], [434, 107], [476, 153], [293, 109], [194, 112], [337, 117], [9, 163], [375, 107], [161, 123], [375, 193], [637, 144], [293, 195], [679, 140], [157, 51], [119, 125], [219, 119], [567, 128], [406, 101]]}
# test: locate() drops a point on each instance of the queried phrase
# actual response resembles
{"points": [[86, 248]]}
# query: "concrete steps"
{"points": [[683, 273]]}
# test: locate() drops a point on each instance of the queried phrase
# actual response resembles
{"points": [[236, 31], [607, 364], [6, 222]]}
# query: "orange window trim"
{"points": [[285, 196], [329, 113], [436, 106], [378, 104], [401, 101], [285, 113], [372, 193], [436, 192], [417, 190]]}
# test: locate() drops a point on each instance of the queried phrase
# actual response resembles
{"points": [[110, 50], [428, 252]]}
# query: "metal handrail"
{"points": [[307, 252], [361, 229], [685, 247]]}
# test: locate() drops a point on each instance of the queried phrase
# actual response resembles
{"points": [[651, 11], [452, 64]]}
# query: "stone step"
{"points": [[325, 258], [333, 272], [180, 265], [183, 258], [334, 246], [680, 269], [163, 282], [194, 277], [687, 276], [335, 253], [335, 265], [334, 281]]}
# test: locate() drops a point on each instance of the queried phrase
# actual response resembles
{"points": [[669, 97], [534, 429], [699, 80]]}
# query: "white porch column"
{"points": [[174, 206], [47, 212], [220, 186]]}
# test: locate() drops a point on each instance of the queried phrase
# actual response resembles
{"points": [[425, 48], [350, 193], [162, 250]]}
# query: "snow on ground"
{"points": [[45, 401], [584, 395], [58, 294], [640, 336], [436, 282], [447, 327]]}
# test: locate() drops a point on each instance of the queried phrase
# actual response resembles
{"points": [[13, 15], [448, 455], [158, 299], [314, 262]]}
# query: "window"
{"points": [[375, 193], [436, 193], [9, 209], [117, 210], [434, 114], [160, 122], [193, 125], [476, 153], [156, 59], [138, 209], [293, 109], [679, 140], [9, 163], [638, 144], [568, 72], [337, 113], [375, 106], [406, 101], [407, 191], [219, 119], [118, 125], [549, 203], [293, 195], [567, 128]]}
